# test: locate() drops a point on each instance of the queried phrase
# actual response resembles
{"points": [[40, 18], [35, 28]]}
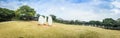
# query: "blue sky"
{"points": [[83, 10]]}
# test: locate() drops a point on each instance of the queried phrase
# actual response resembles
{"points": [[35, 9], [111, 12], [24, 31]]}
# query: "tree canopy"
{"points": [[25, 12], [109, 22], [6, 14]]}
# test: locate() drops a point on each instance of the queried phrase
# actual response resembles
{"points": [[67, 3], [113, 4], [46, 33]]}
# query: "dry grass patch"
{"points": [[31, 29]]}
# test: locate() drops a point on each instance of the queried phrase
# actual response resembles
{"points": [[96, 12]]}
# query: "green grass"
{"points": [[31, 29]]}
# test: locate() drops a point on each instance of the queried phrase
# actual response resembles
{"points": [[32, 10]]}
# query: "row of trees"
{"points": [[23, 13], [107, 22]]}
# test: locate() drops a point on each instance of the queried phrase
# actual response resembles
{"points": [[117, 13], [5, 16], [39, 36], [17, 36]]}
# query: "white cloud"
{"points": [[116, 10], [69, 11], [116, 4]]}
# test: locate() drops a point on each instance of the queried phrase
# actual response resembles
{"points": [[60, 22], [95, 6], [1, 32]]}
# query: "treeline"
{"points": [[107, 23], [22, 13]]}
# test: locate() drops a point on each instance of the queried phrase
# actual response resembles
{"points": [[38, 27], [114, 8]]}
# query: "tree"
{"points": [[92, 22], [6, 14], [118, 22], [25, 13], [78, 22], [53, 17], [37, 15], [109, 22]]}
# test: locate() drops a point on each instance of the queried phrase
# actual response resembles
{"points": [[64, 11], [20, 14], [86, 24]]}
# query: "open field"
{"points": [[31, 29]]}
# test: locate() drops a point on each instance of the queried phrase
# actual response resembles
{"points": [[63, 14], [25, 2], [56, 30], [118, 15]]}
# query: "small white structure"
{"points": [[49, 20], [41, 20], [44, 20]]}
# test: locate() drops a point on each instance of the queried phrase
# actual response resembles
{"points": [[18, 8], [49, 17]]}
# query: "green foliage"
{"points": [[37, 15], [53, 17], [95, 22], [25, 13], [109, 22], [6, 14], [118, 21]]}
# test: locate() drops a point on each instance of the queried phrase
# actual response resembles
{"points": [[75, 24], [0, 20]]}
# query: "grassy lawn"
{"points": [[31, 29]]}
